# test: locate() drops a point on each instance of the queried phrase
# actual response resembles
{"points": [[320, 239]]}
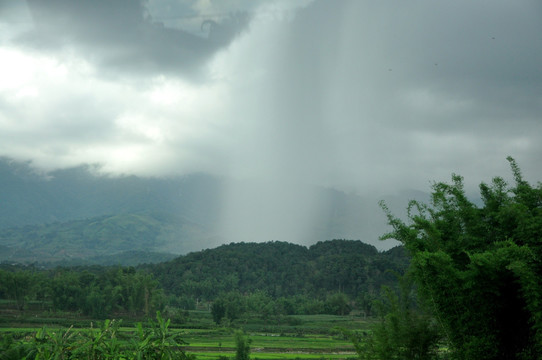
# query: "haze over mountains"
{"points": [[289, 105], [75, 214]]}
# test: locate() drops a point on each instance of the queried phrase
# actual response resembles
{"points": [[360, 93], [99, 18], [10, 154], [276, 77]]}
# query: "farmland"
{"points": [[287, 301], [313, 336]]}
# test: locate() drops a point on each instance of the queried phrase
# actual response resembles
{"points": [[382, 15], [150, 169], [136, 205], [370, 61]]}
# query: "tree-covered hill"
{"points": [[281, 269], [270, 279]]}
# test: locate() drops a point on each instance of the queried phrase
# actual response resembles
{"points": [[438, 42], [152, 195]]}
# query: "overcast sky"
{"points": [[364, 96]]}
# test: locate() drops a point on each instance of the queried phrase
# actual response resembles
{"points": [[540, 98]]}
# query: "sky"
{"points": [[360, 96]]}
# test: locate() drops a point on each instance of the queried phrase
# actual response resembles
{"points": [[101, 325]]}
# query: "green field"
{"points": [[313, 337], [263, 346]]}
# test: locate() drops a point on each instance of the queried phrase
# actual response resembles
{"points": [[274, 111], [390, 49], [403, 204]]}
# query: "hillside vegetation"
{"points": [[282, 269], [97, 239], [273, 278]]}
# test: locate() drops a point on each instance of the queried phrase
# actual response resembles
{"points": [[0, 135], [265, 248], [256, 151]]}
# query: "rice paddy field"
{"points": [[295, 337], [271, 346]]}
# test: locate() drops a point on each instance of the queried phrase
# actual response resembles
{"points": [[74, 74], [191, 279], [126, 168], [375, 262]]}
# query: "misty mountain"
{"points": [[29, 198], [123, 239], [77, 213]]}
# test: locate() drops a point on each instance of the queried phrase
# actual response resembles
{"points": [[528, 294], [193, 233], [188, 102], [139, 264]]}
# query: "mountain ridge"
{"points": [[180, 214], [97, 237]]}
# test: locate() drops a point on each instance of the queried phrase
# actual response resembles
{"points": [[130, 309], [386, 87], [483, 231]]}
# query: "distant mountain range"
{"points": [[75, 215], [28, 198], [126, 239]]}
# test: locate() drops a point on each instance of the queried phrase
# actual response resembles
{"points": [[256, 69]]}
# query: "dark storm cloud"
{"points": [[122, 34], [363, 96], [379, 96], [376, 88]]}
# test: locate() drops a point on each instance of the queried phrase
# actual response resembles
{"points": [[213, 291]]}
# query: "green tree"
{"points": [[405, 331], [96, 304], [233, 303], [257, 301], [67, 293], [479, 266], [365, 302], [17, 286], [218, 310], [337, 304], [242, 346]]}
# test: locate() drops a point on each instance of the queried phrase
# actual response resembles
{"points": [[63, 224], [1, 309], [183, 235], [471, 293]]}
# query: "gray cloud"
{"points": [[124, 36], [368, 97], [375, 97], [374, 82]]}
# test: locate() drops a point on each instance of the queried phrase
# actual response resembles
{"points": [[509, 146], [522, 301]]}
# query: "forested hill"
{"points": [[282, 269]]}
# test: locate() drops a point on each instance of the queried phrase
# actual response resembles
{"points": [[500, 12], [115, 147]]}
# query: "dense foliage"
{"points": [[152, 341], [406, 331], [97, 292], [269, 279], [480, 267], [242, 346], [280, 269]]}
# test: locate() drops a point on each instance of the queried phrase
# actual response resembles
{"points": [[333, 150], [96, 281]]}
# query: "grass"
{"points": [[313, 336], [271, 346], [313, 342], [273, 356], [211, 347]]}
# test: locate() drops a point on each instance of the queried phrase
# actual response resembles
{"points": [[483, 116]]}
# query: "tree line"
{"points": [[97, 291], [269, 279]]}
